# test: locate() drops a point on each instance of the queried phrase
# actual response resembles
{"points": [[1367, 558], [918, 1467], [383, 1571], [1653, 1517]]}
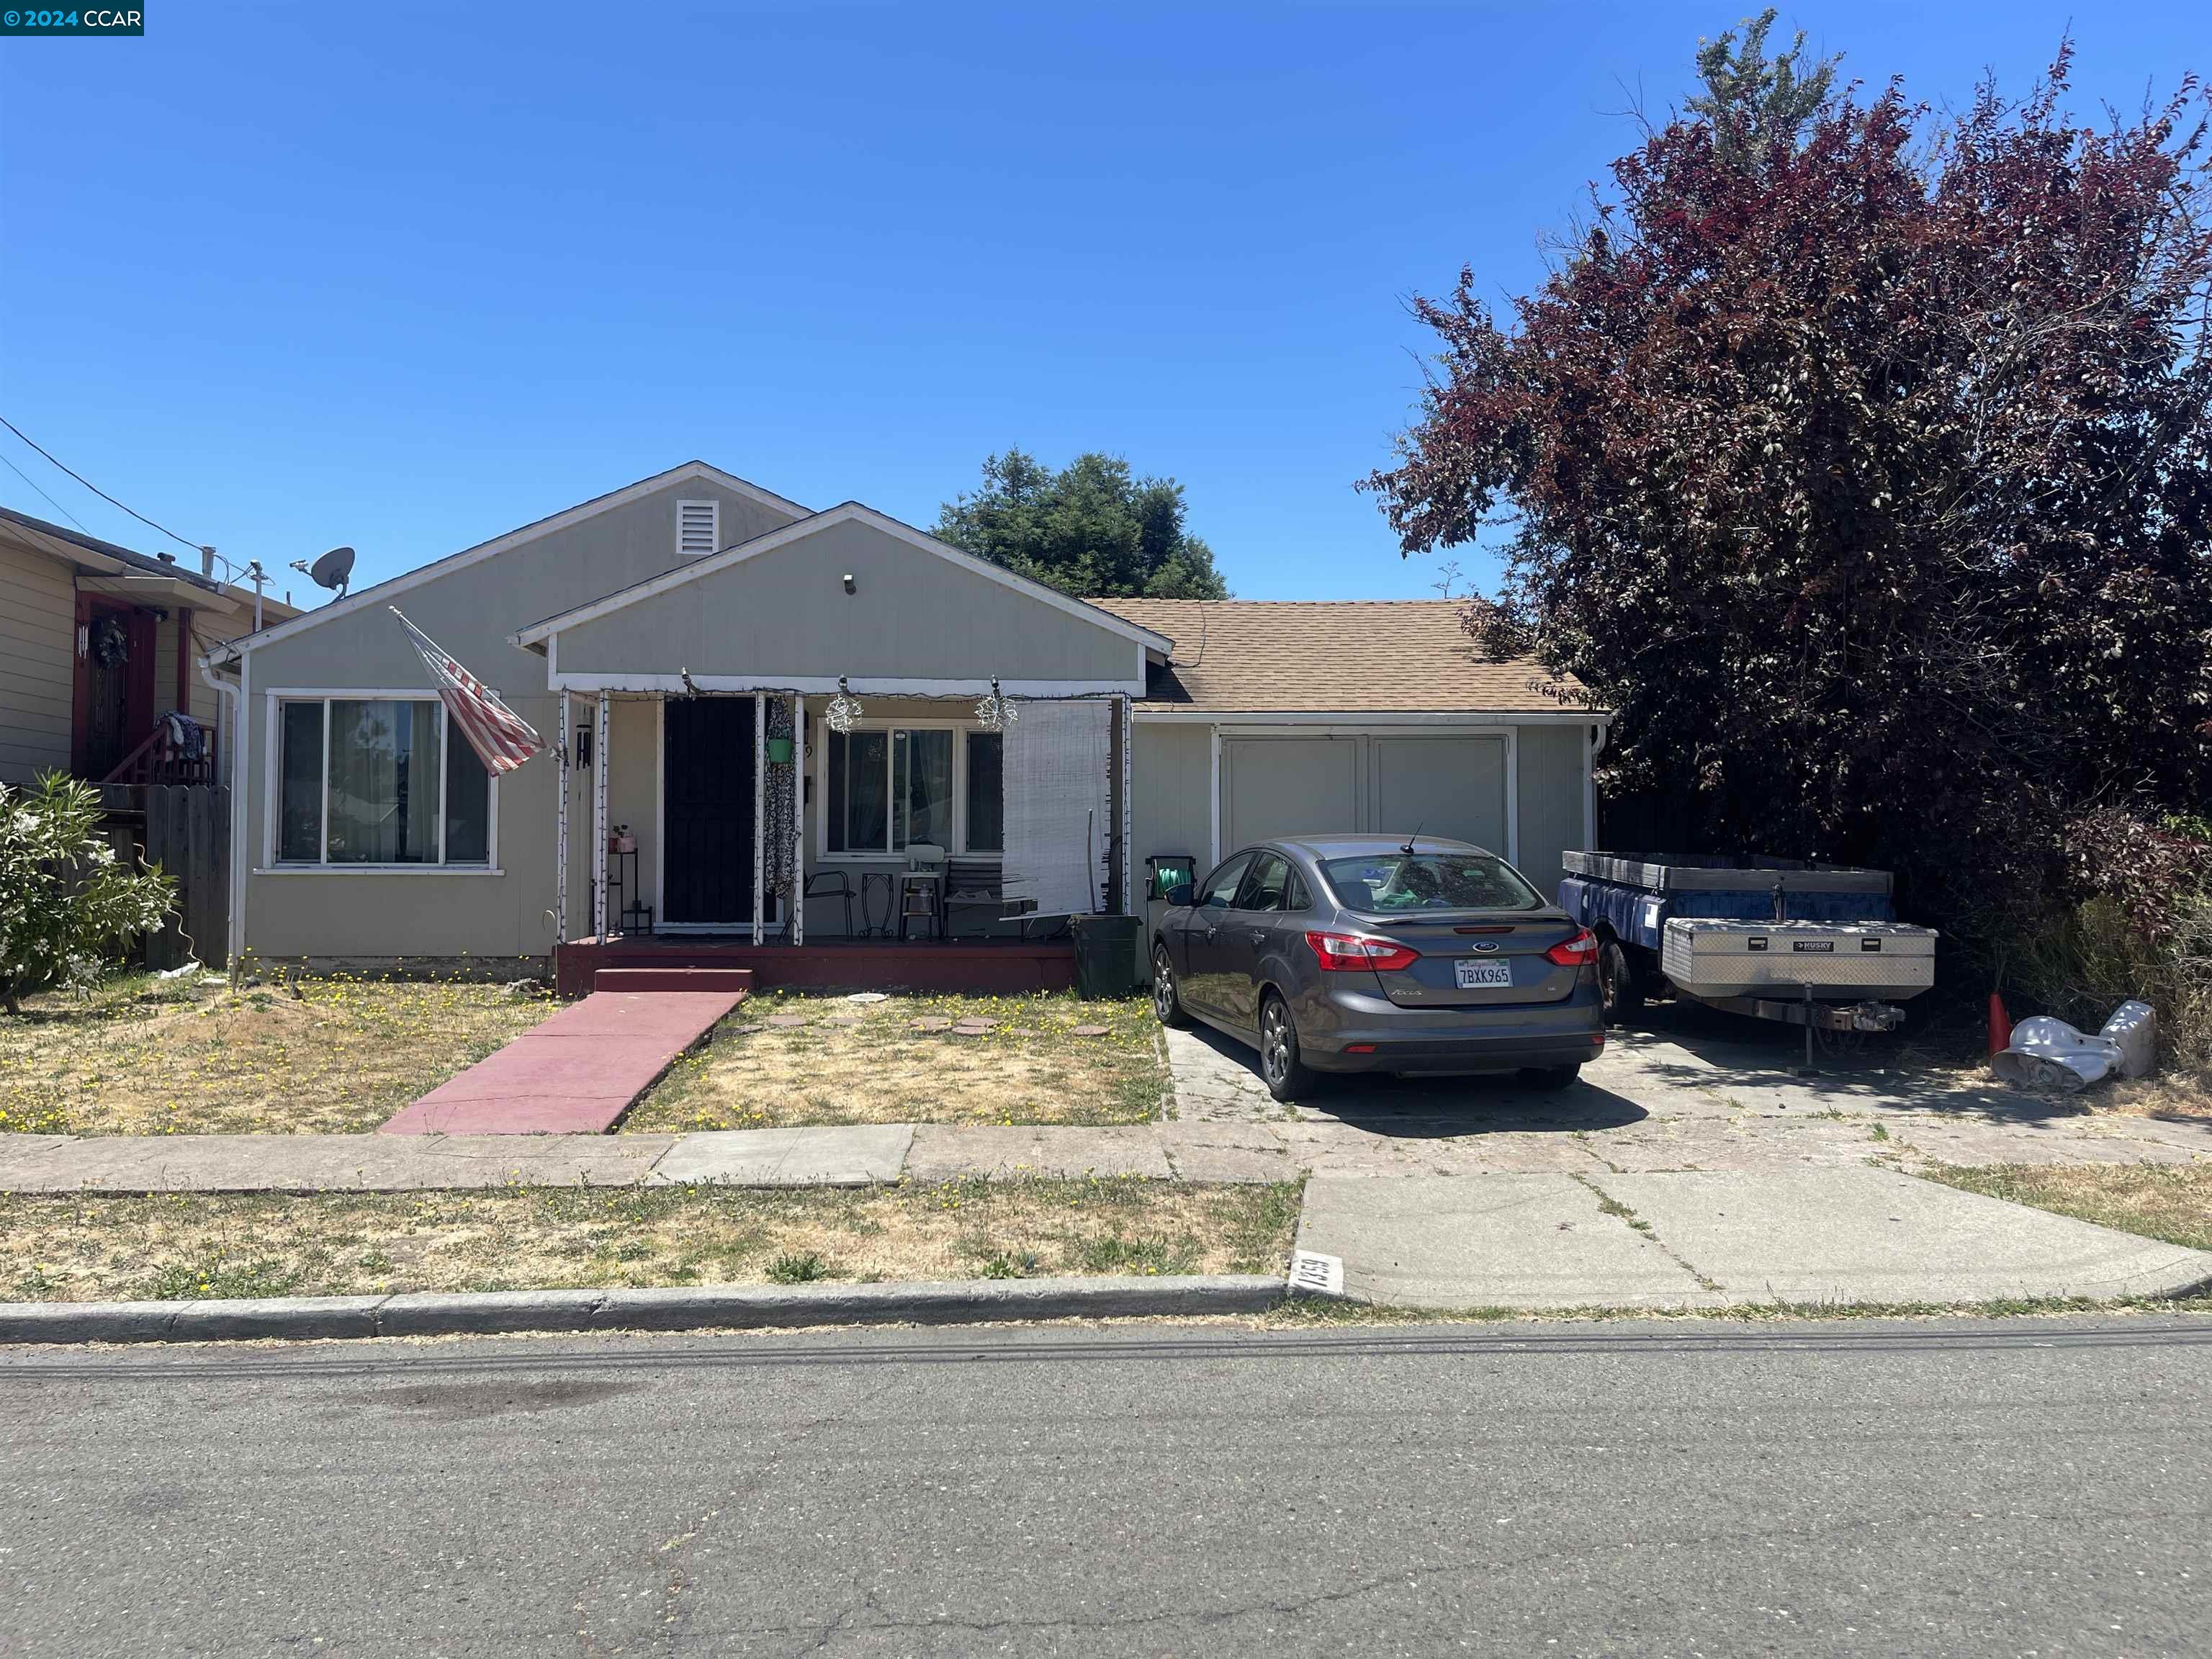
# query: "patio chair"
{"points": [[832, 883]]}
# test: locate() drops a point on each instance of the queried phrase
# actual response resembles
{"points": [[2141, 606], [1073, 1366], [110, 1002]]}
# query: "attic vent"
{"points": [[698, 528]]}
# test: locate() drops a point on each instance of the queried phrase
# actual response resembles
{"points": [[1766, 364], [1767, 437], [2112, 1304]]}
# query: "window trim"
{"points": [[819, 752], [272, 786]]}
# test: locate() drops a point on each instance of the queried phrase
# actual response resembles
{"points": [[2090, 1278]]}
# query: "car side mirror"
{"points": [[1180, 895]]}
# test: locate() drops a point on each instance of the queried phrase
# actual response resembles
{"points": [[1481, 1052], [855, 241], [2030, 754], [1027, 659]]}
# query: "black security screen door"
{"points": [[707, 784]]}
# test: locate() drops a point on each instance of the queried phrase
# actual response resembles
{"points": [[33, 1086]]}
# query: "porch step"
{"points": [[739, 980]]}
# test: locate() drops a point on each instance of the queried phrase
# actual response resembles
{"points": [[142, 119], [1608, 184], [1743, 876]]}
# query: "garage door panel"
{"points": [[1278, 786], [1450, 786]]}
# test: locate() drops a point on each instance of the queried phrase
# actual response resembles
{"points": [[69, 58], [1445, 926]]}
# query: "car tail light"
{"points": [[1579, 951], [1341, 952]]}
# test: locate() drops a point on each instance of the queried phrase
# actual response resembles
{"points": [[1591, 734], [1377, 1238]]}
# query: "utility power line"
{"points": [[51, 502], [98, 491]]}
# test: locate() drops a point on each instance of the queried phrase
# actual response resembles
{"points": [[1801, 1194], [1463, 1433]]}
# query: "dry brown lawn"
{"points": [[71, 1248], [2171, 1201], [2172, 1094], [140, 1056], [867, 1062]]}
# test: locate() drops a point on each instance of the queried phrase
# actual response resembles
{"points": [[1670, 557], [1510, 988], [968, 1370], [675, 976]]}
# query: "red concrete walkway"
{"points": [[576, 1073]]}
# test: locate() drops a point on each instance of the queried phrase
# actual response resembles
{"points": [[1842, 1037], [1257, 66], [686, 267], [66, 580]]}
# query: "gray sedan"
{"points": [[1379, 953]]}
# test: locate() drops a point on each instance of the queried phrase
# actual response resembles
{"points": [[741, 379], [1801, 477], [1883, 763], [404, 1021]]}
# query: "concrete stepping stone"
{"points": [[933, 1023], [785, 1022], [1092, 1030]]}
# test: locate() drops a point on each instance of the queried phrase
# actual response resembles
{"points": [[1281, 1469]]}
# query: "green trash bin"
{"points": [[1105, 954]]}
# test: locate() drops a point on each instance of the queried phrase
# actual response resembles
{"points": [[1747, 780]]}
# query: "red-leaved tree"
{"points": [[1863, 460]]}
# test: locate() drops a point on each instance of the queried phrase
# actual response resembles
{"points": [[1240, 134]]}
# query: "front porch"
{"points": [[841, 732], [703, 822]]}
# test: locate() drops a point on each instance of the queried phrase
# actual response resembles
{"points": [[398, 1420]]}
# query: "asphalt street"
{"points": [[2020, 1487]]}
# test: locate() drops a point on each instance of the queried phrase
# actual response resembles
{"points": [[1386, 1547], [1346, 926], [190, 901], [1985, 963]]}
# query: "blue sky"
{"points": [[405, 277]]}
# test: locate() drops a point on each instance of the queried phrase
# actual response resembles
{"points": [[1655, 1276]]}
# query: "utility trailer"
{"points": [[1812, 944]]}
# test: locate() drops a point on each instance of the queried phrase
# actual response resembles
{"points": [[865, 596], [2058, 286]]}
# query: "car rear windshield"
{"points": [[1429, 881]]}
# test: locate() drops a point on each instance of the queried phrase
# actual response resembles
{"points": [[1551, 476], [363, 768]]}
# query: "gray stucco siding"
{"points": [[471, 611], [785, 613], [1551, 798]]}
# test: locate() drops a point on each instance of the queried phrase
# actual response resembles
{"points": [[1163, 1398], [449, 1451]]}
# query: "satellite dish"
{"points": [[332, 569]]}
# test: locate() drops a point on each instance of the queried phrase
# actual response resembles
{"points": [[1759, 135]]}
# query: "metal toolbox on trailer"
{"points": [[1837, 960]]}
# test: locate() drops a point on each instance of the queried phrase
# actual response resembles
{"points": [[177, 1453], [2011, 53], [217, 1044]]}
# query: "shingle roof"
{"points": [[152, 566], [1273, 656]]}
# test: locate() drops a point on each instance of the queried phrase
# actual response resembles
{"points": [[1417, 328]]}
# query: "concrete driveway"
{"points": [[1692, 1167], [1688, 1090]]}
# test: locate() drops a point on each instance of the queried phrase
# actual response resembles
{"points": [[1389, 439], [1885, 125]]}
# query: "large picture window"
{"points": [[378, 781], [891, 786]]}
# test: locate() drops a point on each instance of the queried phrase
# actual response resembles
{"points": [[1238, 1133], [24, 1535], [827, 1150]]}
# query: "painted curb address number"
{"points": [[1317, 1274]]}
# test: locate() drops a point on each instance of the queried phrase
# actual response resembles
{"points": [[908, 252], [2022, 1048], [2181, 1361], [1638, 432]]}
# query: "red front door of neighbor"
{"points": [[114, 684]]}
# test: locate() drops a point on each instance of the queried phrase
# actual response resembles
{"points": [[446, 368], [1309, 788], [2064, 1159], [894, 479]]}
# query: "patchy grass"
{"points": [[865, 1062], [2169, 1201], [1310, 1312], [142, 1056], [71, 1248], [2173, 1094]]}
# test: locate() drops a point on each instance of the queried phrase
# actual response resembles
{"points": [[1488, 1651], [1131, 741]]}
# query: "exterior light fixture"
{"points": [[997, 711], [843, 710]]}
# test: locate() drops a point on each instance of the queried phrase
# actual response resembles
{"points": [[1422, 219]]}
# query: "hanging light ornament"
{"points": [[844, 709], [997, 711]]}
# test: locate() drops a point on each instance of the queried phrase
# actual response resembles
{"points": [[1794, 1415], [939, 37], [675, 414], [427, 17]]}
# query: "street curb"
{"points": [[294, 1318]]}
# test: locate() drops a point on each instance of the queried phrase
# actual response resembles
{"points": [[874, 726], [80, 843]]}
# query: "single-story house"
{"points": [[97, 642], [752, 709]]}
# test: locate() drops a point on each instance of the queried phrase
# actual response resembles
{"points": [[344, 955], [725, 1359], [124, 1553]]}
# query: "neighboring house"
{"points": [[672, 629], [96, 643]]}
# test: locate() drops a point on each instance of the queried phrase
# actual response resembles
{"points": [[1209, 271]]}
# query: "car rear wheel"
{"points": [[1167, 999], [1616, 982], [1281, 1067], [1554, 1077]]}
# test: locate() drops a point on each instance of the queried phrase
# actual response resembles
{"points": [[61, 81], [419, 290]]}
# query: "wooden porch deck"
{"points": [[995, 967]]}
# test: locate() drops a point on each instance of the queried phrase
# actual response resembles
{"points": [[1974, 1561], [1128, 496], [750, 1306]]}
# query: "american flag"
{"points": [[501, 737]]}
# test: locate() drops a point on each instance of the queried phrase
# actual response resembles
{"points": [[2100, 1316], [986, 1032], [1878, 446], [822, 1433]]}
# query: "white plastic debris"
{"points": [[2134, 1026], [2049, 1054], [868, 996], [187, 971]]}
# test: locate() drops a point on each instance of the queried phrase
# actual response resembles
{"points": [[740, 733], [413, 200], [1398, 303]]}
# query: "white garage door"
{"points": [[1453, 787], [1449, 787], [1276, 787]]}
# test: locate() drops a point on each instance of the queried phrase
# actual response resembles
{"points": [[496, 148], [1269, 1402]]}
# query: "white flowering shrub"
{"points": [[66, 905]]}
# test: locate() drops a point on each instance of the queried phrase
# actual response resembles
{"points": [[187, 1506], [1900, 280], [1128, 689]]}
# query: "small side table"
{"points": [[636, 916], [922, 898], [871, 883]]}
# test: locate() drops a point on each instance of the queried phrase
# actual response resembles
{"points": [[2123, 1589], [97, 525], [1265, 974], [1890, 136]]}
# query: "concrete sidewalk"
{"points": [[1693, 1240]]}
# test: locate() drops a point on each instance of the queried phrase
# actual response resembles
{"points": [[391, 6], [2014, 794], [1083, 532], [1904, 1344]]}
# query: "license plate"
{"points": [[1472, 976]]}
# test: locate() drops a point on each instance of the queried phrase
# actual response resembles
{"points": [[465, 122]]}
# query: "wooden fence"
{"points": [[186, 831]]}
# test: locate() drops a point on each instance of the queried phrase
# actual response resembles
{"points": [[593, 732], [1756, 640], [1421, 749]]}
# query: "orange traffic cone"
{"points": [[2000, 1025]]}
